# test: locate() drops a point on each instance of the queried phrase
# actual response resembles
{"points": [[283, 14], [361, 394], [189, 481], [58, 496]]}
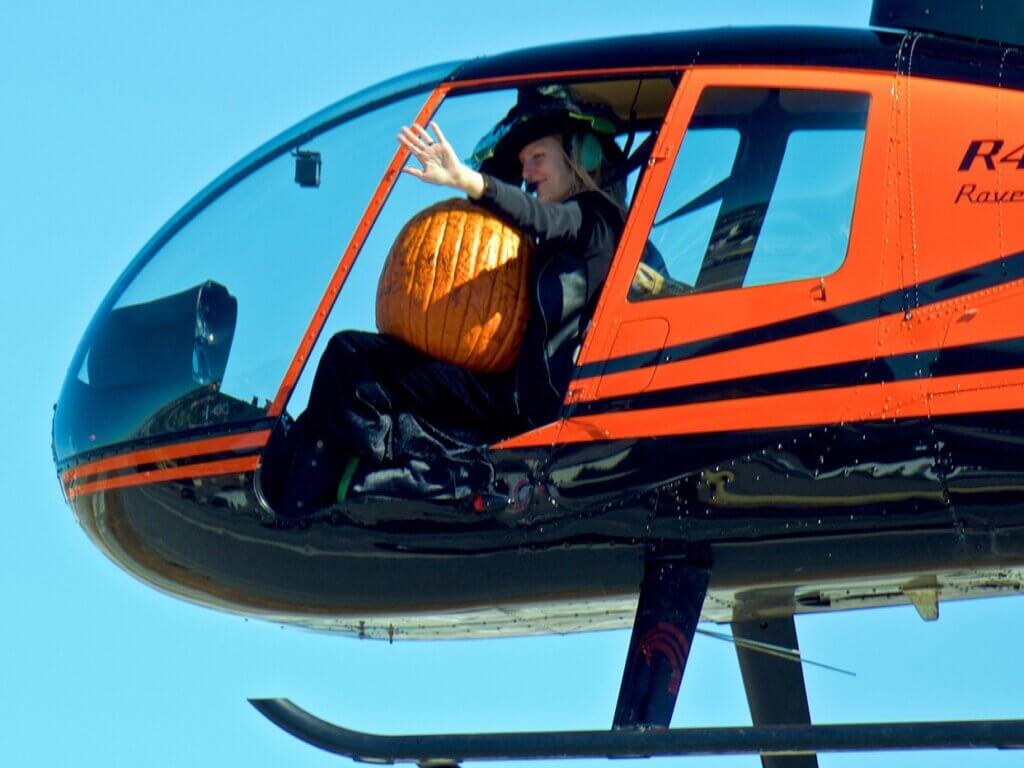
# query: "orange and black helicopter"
{"points": [[814, 401]]}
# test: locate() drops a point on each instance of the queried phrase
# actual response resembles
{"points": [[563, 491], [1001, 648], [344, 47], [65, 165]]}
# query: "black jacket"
{"points": [[576, 241]]}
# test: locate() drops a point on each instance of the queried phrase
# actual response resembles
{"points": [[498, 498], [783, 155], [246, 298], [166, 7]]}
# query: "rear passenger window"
{"points": [[762, 192]]}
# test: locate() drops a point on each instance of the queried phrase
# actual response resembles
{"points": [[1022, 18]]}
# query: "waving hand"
{"points": [[441, 165]]}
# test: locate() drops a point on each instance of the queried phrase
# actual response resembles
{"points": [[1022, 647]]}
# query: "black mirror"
{"points": [[307, 168]]}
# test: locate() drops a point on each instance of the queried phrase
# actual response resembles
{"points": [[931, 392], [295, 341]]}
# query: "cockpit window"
{"points": [[273, 245], [201, 330], [464, 120], [762, 192], [202, 327], [634, 106]]}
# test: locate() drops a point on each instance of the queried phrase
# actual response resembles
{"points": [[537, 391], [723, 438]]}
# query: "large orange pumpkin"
{"points": [[455, 286]]}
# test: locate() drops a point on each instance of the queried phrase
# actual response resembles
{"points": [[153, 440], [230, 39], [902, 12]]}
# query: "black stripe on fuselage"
{"points": [[974, 358], [971, 280], [934, 56]]}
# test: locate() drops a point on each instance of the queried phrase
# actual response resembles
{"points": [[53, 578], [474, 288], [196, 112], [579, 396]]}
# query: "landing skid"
{"points": [[672, 592], [452, 749]]}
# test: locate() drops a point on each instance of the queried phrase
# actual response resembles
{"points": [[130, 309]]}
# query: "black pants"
{"points": [[415, 423]]}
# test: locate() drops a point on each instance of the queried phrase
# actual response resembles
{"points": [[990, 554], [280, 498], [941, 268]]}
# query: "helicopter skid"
{"points": [[449, 749]]}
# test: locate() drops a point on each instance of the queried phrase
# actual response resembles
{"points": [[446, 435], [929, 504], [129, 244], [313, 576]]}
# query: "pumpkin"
{"points": [[454, 286]]}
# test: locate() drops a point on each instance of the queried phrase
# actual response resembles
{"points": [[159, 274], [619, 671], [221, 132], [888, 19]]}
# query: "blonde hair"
{"points": [[584, 181]]}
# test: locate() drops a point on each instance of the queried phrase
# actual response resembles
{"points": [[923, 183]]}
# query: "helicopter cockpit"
{"points": [[209, 329]]}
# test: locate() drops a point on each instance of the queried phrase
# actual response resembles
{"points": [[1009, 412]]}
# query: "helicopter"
{"points": [[826, 428]]}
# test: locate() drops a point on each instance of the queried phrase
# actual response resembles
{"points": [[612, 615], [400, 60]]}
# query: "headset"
{"points": [[586, 147]]}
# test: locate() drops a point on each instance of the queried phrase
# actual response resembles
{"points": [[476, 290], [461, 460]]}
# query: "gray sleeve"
{"points": [[545, 220]]}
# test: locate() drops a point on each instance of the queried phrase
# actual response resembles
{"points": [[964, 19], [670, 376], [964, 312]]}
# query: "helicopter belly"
{"points": [[720, 607], [203, 541]]}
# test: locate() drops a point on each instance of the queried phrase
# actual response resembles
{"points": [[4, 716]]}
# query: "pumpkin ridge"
{"points": [[491, 269], [470, 270], [410, 308], [388, 282], [429, 295], [450, 279], [471, 323]]}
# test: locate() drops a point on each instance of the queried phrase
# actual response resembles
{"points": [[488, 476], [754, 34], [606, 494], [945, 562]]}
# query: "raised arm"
{"points": [[546, 220], [442, 166]]}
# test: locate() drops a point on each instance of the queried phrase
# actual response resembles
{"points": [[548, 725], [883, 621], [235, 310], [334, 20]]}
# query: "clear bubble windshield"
{"points": [[200, 330]]}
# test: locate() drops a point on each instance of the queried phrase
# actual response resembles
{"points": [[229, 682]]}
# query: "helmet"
{"points": [[545, 111]]}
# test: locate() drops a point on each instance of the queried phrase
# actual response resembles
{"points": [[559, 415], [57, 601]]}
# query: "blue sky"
{"points": [[113, 115]]}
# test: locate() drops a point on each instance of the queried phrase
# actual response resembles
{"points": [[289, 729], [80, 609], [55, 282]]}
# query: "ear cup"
{"points": [[588, 151]]}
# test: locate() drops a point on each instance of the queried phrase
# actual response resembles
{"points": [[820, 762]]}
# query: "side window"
{"points": [[762, 192]]}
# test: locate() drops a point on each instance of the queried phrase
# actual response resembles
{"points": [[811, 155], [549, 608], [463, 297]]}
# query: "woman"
{"points": [[413, 425]]}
